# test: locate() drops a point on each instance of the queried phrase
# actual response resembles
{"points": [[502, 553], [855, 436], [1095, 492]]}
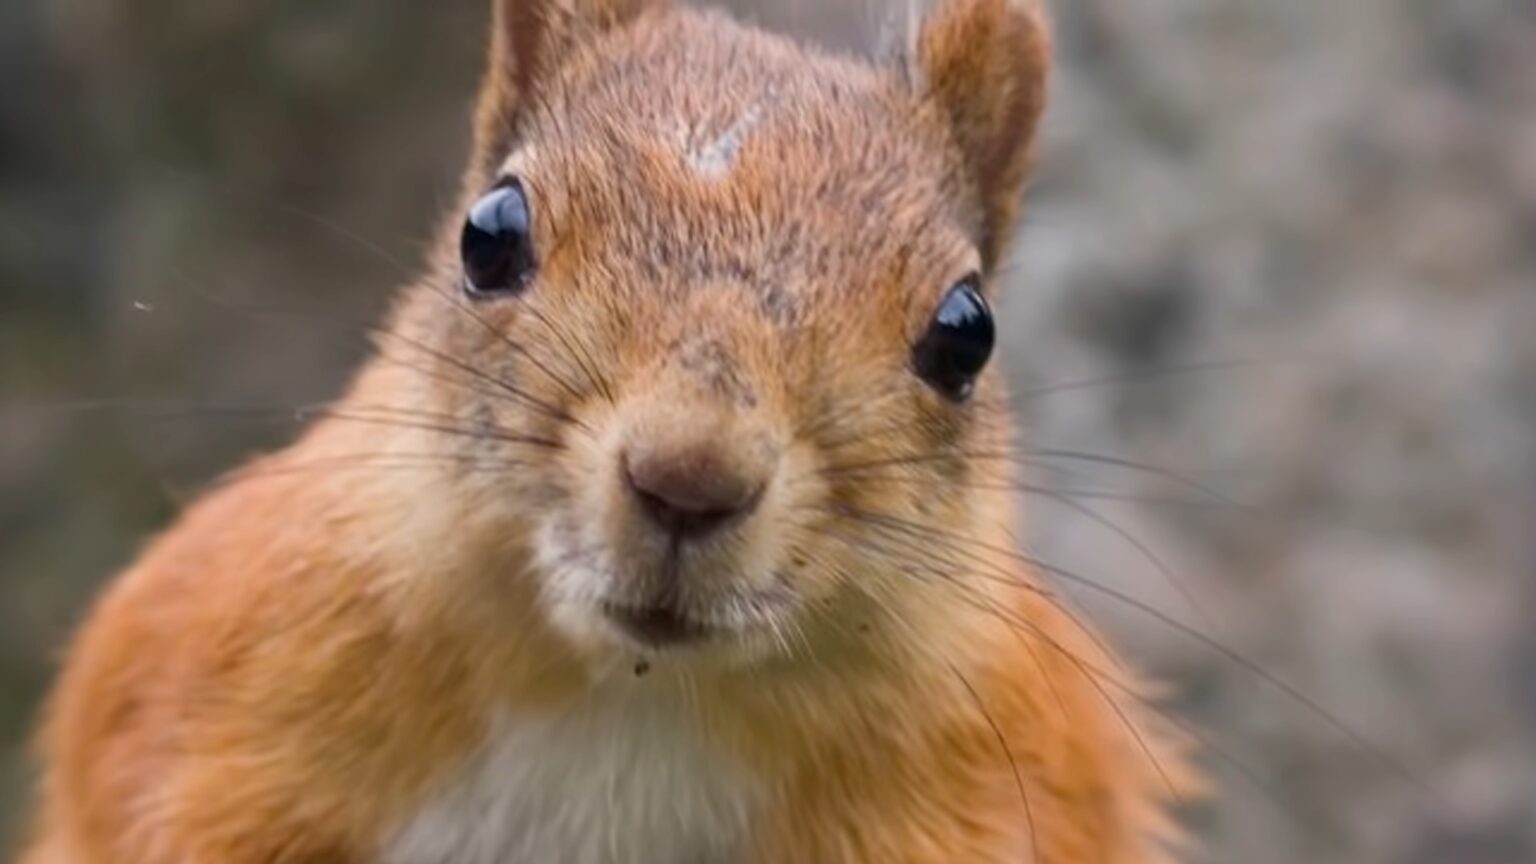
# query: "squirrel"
{"points": [[671, 520]]}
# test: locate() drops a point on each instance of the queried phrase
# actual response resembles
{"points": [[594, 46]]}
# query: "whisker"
{"points": [[975, 696], [457, 302], [1095, 676], [385, 333], [363, 243], [1032, 457], [1228, 653], [1178, 477], [1139, 376], [1146, 552], [1068, 498], [335, 228], [1085, 494], [1014, 621], [1002, 742], [999, 574], [580, 353], [369, 463], [494, 434]]}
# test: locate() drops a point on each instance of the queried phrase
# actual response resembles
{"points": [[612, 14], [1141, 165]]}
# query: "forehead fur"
{"points": [[701, 74], [702, 145]]}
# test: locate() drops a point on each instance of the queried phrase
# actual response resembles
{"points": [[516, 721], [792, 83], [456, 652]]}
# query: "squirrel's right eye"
{"points": [[497, 243], [958, 342]]}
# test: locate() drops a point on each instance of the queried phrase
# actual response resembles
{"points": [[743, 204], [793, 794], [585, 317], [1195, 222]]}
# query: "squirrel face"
{"points": [[738, 291]]}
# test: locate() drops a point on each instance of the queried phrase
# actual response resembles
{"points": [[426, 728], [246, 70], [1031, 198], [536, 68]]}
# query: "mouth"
{"points": [[657, 626]]}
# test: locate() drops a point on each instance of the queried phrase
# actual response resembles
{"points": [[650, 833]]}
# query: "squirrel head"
{"points": [[721, 302]]}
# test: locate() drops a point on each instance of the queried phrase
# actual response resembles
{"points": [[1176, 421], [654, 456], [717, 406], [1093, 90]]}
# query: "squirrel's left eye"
{"points": [[497, 243], [958, 341]]}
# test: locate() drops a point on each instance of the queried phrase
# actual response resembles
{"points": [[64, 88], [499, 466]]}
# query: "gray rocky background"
{"points": [[1283, 252]]}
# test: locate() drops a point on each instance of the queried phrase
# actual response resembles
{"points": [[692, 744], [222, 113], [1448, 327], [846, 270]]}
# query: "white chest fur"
{"points": [[624, 779]]}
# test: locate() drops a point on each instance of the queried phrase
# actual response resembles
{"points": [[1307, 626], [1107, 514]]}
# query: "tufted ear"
{"points": [[986, 62], [529, 38]]}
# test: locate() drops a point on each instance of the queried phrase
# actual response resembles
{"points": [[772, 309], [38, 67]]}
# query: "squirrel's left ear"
{"points": [[986, 62], [529, 40]]}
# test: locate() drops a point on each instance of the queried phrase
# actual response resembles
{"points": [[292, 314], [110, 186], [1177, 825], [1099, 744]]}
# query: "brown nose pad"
{"points": [[690, 495]]}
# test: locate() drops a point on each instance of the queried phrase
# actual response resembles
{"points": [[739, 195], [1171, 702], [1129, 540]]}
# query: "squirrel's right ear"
{"points": [[985, 62], [528, 39]]}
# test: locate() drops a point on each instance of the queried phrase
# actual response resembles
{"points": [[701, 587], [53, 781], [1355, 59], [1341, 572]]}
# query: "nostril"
{"points": [[680, 521], [689, 498]]}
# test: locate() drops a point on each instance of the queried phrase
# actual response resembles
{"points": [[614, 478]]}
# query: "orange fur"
{"points": [[315, 647]]}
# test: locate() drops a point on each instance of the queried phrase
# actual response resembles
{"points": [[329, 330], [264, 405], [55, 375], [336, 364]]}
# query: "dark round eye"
{"points": [[958, 342], [497, 246]]}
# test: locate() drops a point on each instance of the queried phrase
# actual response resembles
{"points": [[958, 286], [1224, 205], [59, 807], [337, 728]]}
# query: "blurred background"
{"points": [[1282, 253]]}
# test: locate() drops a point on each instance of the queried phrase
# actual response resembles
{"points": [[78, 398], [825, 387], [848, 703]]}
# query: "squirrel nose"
{"points": [[690, 494]]}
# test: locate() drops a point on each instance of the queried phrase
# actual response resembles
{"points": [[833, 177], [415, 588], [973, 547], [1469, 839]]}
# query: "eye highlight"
{"points": [[958, 342], [496, 245]]}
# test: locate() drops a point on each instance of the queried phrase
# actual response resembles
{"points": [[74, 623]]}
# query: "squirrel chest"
{"points": [[622, 778]]}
